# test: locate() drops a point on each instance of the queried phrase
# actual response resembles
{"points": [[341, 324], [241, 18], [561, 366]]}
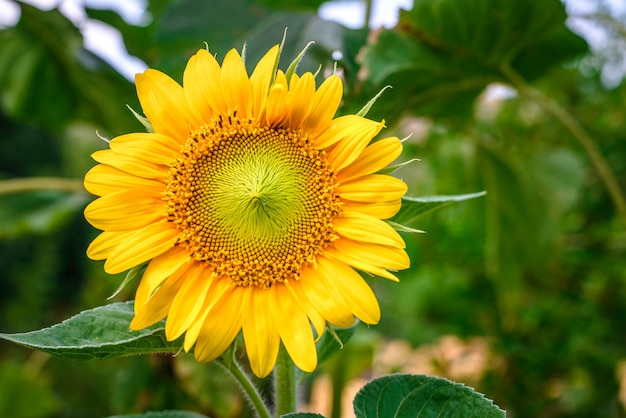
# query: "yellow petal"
{"points": [[145, 244], [354, 140], [236, 85], [293, 327], [275, 113], [380, 210], [359, 296], [188, 301], [347, 126], [105, 243], [213, 297], [318, 321], [330, 304], [324, 104], [126, 210], [150, 147], [222, 324], [366, 228], [374, 254], [259, 331], [164, 104], [159, 269], [104, 179], [202, 85], [156, 308], [359, 264], [373, 158], [262, 77], [131, 165], [372, 188], [300, 93]]}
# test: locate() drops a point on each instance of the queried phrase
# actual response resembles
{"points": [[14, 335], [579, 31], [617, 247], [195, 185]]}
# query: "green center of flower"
{"points": [[254, 203]]}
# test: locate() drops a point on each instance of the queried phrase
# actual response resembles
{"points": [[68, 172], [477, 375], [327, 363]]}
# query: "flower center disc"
{"points": [[254, 203]]}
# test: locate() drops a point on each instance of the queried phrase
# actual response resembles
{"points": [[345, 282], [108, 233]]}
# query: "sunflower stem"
{"points": [[285, 384], [230, 364]]}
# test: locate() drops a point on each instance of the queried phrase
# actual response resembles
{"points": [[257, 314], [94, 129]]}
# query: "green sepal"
{"points": [[403, 228], [415, 207], [333, 341], [392, 168], [365, 109], [132, 274], [291, 70], [143, 120]]}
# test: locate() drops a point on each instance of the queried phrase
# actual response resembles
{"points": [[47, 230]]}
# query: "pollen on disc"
{"points": [[255, 204]]}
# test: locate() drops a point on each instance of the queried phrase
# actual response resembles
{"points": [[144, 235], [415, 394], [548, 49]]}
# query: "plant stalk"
{"points": [[285, 388], [252, 393], [598, 161]]}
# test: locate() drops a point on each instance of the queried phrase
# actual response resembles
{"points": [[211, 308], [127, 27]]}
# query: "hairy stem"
{"points": [[229, 362], [285, 384]]}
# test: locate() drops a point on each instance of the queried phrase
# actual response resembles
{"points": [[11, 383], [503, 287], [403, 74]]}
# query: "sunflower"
{"points": [[253, 207]]}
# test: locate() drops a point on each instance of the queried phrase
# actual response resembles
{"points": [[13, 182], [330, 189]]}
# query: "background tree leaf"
{"points": [[302, 415], [415, 396], [443, 53], [101, 332]]}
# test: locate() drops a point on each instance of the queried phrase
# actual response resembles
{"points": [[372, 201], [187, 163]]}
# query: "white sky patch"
{"points": [[351, 13]]}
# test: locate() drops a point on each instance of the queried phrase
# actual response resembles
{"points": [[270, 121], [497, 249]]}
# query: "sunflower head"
{"points": [[253, 206]]}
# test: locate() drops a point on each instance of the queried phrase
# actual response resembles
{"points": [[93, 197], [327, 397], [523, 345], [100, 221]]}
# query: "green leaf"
{"points": [[443, 53], [302, 415], [102, 332], [162, 414], [415, 207], [328, 344], [418, 396]]}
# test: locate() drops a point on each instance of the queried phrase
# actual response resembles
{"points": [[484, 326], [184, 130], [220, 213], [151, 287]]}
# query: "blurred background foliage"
{"points": [[519, 294]]}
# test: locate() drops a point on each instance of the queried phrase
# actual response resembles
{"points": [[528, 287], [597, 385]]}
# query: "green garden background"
{"points": [[520, 294]]}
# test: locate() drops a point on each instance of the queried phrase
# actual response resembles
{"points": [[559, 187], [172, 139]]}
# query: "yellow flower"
{"points": [[252, 204]]}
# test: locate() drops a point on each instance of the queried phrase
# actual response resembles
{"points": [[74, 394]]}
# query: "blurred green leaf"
{"points": [[415, 207], [37, 212], [43, 62], [20, 384], [102, 332], [443, 53], [403, 395], [162, 414], [302, 415]]}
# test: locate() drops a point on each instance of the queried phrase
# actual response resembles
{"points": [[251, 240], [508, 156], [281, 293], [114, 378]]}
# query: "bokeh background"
{"points": [[520, 294]]}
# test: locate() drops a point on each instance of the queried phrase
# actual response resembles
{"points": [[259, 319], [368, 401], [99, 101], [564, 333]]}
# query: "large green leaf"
{"points": [[415, 207], [102, 332], [443, 53], [42, 61], [416, 396]]}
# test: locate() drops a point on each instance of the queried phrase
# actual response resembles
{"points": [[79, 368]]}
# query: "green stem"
{"points": [[285, 384], [229, 362], [598, 161]]}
